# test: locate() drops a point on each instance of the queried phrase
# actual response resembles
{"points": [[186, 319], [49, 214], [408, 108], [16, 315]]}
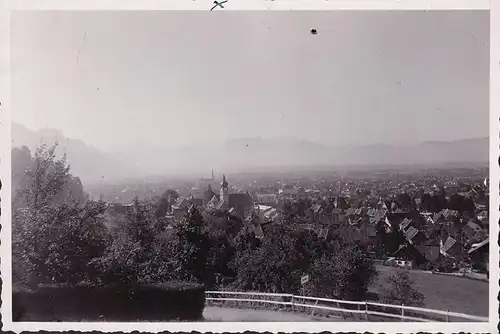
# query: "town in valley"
{"points": [[406, 217]]}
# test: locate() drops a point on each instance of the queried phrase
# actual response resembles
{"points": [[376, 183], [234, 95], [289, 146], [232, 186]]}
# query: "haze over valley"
{"points": [[244, 155]]}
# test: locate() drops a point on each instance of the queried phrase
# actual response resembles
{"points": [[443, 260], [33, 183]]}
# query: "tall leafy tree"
{"points": [[277, 262], [346, 275], [133, 256], [190, 247], [58, 244], [54, 239], [43, 180], [222, 222], [400, 289], [20, 161], [221, 227], [46, 179], [272, 264]]}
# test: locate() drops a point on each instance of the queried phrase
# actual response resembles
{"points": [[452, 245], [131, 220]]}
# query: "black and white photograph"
{"points": [[249, 167]]}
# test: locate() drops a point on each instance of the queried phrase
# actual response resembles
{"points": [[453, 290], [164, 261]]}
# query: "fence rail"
{"points": [[366, 311]]}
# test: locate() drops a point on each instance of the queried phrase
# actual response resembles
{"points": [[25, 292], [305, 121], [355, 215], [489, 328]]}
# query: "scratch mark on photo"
{"points": [[79, 50]]}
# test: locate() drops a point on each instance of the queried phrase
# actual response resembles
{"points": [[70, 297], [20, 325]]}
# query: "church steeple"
{"points": [[224, 183], [224, 194]]}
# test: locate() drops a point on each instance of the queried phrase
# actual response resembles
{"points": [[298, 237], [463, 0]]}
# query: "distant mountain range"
{"points": [[87, 162], [245, 154], [299, 152]]}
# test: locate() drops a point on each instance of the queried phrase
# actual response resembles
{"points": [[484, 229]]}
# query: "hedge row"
{"points": [[161, 302]]}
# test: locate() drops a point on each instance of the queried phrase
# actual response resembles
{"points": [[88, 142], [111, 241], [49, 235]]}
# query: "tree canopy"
{"points": [[55, 236], [400, 289]]}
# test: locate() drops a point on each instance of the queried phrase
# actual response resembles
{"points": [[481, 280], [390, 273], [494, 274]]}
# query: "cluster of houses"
{"points": [[355, 215], [421, 237]]}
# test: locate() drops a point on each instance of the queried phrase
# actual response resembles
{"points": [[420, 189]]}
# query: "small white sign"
{"points": [[304, 279]]}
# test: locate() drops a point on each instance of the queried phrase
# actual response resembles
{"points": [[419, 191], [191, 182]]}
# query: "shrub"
{"points": [[345, 275], [58, 244], [56, 234], [134, 257], [190, 247], [400, 289], [276, 265], [156, 302]]}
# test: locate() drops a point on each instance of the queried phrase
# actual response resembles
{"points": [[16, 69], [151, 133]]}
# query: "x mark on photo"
{"points": [[218, 4]]}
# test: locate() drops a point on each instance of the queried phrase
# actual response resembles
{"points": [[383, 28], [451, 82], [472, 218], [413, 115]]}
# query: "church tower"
{"points": [[224, 191]]}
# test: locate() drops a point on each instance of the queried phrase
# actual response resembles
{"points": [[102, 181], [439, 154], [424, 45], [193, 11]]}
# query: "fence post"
{"points": [[402, 313], [341, 313], [313, 309], [447, 316], [293, 301], [366, 310]]}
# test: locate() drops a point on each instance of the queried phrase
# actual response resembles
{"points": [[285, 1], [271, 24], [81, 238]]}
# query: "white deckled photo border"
{"points": [[234, 5]]}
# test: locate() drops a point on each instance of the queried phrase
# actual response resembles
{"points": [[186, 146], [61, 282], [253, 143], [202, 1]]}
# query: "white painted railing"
{"points": [[334, 307]]}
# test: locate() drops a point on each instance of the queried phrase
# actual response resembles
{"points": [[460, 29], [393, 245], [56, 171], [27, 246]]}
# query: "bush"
{"points": [[400, 289], [158, 302], [56, 233], [58, 244], [135, 255], [345, 275], [276, 265], [190, 246]]}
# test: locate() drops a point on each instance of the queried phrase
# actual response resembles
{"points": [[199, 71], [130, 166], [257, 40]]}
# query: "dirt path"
{"points": [[243, 315]]}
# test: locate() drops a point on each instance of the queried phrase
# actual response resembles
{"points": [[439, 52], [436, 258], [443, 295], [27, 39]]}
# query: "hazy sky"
{"points": [[115, 79]]}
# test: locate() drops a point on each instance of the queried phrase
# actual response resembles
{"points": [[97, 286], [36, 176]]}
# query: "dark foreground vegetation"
{"points": [[160, 302]]}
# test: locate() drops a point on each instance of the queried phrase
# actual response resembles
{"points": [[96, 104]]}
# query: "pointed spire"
{"points": [[224, 183]]}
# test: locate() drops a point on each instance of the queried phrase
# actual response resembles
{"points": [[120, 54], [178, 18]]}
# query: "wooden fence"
{"points": [[361, 311]]}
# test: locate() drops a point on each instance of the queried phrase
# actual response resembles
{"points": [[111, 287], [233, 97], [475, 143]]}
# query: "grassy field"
{"points": [[441, 292]]}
